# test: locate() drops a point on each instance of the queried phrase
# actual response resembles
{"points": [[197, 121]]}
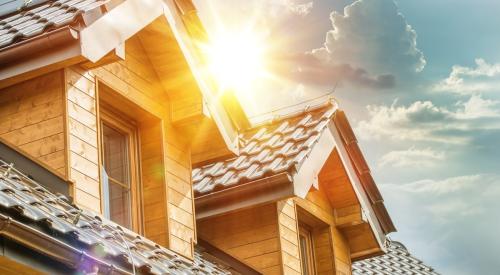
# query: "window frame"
{"points": [[306, 233], [117, 121]]}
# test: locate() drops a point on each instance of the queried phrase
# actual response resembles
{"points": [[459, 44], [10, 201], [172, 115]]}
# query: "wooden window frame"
{"points": [[306, 233], [114, 119]]}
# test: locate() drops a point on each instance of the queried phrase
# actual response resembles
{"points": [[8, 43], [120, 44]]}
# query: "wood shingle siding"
{"points": [[33, 119]]}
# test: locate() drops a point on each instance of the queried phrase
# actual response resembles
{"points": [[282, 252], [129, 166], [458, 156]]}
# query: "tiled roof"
{"points": [[53, 218], [275, 147], [397, 260], [29, 21]]}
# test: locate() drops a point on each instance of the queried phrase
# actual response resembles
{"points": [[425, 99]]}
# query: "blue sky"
{"points": [[420, 81]]}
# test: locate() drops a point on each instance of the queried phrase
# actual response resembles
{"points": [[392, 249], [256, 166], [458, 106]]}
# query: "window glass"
{"points": [[306, 251], [117, 167]]}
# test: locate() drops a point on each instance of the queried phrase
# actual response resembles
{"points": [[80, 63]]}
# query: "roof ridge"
{"points": [[306, 110]]}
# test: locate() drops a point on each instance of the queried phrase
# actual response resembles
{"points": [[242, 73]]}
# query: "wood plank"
{"points": [[180, 246], [84, 166], [180, 215], [85, 183], [88, 201], [54, 160], [180, 201], [82, 99], [83, 132], [35, 132], [254, 249], [31, 116], [81, 82], [45, 145], [83, 149], [264, 261], [181, 231], [83, 116]]}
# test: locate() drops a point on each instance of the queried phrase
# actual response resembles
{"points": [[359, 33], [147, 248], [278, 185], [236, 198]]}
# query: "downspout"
{"points": [[52, 39]]}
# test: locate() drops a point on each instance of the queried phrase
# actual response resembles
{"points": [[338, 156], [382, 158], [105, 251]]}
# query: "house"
{"points": [[299, 198], [104, 97], [106, 108]]}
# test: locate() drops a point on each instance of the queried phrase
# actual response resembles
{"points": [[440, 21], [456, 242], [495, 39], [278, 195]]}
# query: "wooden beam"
{"points": [[113, 56], [349, 216]]}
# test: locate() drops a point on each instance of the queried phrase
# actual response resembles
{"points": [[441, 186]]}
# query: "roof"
{"points": [[280, 147], [29, 212], [274, 147], [41, 35], [29, 20], [397, 260]]}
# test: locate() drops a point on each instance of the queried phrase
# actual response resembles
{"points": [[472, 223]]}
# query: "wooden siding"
{"points": [[168, 214], [153, 177], [328, 239], [289, 242], [82, 137], [182, 223], [33, 120], [249, 235]]}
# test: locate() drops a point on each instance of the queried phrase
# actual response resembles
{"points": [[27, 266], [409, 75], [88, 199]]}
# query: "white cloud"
{"points": [[299, 9], [484, 77], [424, 121], [448, 185], [477, 107], [412, 158], [373, 35], [449, 219]]}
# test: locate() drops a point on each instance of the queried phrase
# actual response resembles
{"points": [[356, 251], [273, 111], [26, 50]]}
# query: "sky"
{"points": [[420, 82]]}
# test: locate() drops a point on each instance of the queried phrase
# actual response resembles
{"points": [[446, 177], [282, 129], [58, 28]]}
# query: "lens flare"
{"points": [[235, 60]]}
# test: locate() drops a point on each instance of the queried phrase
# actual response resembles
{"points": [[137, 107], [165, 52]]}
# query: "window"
{"points": [[119, 169], [306, 250]]}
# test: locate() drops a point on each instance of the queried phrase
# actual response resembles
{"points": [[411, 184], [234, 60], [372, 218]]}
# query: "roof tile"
{"points": [[397, 261], [29, 22], [268, 149], [23, 199]]}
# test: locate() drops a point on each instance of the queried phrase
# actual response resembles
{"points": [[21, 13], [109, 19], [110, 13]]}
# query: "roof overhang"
{"points": [[105, 33], [305, 178], [251, 194], [364, 201]]}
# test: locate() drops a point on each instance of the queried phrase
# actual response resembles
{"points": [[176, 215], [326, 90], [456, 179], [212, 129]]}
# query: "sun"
{"points": [[235, 60]]}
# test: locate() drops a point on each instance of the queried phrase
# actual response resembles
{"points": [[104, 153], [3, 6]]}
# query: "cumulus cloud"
{"points": [[373, 35], [424, 121], [411, 157], [307, 69], [484, 77]]}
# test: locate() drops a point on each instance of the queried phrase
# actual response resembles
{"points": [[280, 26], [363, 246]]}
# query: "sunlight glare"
{"points": [[235, 60]]}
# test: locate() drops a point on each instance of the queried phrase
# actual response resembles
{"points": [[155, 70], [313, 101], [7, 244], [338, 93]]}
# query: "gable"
{"points": [[43, 37]]}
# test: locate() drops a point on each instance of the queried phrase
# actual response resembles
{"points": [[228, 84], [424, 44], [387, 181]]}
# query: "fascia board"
{"points": [[308, 172], [207, 87], [358, 188]]}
